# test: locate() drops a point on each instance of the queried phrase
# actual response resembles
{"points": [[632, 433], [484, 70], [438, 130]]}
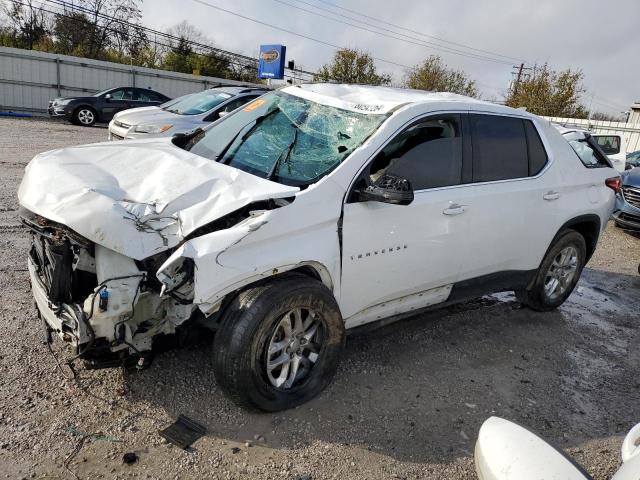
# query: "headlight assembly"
{"points": [[152, 128]]}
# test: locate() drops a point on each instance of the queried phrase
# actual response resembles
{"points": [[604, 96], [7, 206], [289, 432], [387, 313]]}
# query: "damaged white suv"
{"points": [[312, 210]]}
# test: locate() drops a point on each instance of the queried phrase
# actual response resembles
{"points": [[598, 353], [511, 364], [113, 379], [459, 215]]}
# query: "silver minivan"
{"points": [[182, 114]]}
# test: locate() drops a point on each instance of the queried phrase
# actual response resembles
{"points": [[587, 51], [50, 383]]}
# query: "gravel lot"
{"points": [[407, 401]]}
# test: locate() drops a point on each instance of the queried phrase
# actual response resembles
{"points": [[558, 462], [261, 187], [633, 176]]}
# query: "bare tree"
{"points": [[108, 24], [27, 23]]}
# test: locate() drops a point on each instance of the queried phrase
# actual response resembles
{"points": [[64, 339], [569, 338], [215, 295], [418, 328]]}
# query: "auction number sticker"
{"points": [[367, 108]]}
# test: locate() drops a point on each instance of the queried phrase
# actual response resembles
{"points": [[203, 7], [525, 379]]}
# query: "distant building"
{"points": [[634, 115]]}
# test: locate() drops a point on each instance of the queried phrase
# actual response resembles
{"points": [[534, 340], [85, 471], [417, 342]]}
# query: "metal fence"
{"points": [[630, 131], [29, 79]]}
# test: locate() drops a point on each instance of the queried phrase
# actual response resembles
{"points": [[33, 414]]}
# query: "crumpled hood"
{"points": [[137, 197]]}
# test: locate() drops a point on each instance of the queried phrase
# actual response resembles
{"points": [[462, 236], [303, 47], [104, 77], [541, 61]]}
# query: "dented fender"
{"points": [[258, 247]]}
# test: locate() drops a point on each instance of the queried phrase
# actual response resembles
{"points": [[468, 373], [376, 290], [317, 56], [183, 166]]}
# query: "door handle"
{"points": [[551, 196], [454, 209]]}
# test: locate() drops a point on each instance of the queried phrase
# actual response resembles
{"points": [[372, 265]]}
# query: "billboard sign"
{"points": [[271, 61]]}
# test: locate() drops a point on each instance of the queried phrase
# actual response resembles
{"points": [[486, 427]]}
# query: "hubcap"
{"points": [[294, 348], [85, 116], [561, 273]]}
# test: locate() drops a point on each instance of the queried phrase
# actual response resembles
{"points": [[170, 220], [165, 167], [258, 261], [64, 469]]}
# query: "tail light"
{"points": [[614, 183]]}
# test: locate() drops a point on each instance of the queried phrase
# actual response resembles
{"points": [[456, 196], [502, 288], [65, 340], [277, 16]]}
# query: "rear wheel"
{"points": [[558, 274], [279, 343], [85, 116]]}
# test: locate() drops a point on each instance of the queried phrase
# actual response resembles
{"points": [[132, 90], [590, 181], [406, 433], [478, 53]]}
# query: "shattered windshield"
{"points": [[286, 138]]}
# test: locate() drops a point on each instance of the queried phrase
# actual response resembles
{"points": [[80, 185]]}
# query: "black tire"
{"points": [[249, 323], [535, 296], [85, 116]]}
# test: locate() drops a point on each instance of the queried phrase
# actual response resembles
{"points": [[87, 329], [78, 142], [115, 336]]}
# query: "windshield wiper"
{"points": [[257, 122], [282, 156]]}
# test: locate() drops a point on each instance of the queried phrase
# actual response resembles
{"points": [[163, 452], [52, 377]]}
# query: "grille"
{"points": [[629, 218], [116, 137], [120, 124], [632, 196]]}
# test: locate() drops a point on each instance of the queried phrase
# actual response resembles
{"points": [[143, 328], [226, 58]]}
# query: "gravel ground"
{"points": [[407, 401]]}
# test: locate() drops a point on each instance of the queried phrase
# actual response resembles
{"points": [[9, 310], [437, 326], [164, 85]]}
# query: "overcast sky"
{"points": [[601, 38]]}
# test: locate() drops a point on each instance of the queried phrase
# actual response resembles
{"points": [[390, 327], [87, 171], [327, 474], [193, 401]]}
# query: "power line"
{"points": [[291, 32], [408, 39], [65, 4], [413, 31]]}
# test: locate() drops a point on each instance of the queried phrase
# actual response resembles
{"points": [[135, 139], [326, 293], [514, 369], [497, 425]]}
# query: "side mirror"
{"points": [[107, 97], [388, 189]]}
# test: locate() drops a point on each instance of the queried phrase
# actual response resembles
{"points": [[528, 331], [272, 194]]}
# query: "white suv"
{"points": [[312, 210]]}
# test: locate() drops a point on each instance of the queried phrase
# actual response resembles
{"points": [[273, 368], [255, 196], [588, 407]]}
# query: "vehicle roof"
{"points": [[377, 99]]}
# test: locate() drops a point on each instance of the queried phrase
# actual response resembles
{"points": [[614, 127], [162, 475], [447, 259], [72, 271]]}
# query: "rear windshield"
{"points": [[197, 103]]}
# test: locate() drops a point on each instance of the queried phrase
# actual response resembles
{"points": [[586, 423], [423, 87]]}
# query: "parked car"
{"points": [[633, 160], [182, 115], [506, 451], [627, 209], [615, 147], [311, 210], [101, 107]]}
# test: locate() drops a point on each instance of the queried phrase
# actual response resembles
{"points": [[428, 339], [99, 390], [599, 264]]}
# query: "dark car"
{"points": [[102, 106], [627, 211], [633, 160]]}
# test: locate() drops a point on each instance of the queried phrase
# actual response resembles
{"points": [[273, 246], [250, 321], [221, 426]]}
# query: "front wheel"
{"points": [[279, 343], [558, 274], [85, 116]]}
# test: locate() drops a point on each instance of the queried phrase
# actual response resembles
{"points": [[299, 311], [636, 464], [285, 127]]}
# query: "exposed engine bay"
{"points": [[107, 305], [97, 300]]}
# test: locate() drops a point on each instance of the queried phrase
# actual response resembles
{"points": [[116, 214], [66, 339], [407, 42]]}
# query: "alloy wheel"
{"points": [[86, 116], [561, 273], [294, 348]]}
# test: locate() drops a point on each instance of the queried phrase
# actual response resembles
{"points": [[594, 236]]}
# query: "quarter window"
{"points": [[428, 154], [586, 150], [537, 154], [499, 148]]}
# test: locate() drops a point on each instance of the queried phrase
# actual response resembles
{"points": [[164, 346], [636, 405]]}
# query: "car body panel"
{"points": [[147, 196], [123, 125], [615, 147], [627, 207], [140, 198], [105, 108]]}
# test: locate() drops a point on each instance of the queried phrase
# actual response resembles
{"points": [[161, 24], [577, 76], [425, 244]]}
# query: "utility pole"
{"points": [[519, 73]]}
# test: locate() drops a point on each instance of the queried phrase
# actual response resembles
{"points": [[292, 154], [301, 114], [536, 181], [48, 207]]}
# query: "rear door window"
{"points": [[500, 149]]}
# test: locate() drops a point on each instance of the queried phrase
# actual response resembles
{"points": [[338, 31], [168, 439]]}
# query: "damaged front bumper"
{"points": [[97, 300], [64, 320]]}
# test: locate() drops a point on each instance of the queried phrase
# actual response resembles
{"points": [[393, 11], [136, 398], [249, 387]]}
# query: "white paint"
{"points": [[507, 451], [141, 197], [108, 191]]}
